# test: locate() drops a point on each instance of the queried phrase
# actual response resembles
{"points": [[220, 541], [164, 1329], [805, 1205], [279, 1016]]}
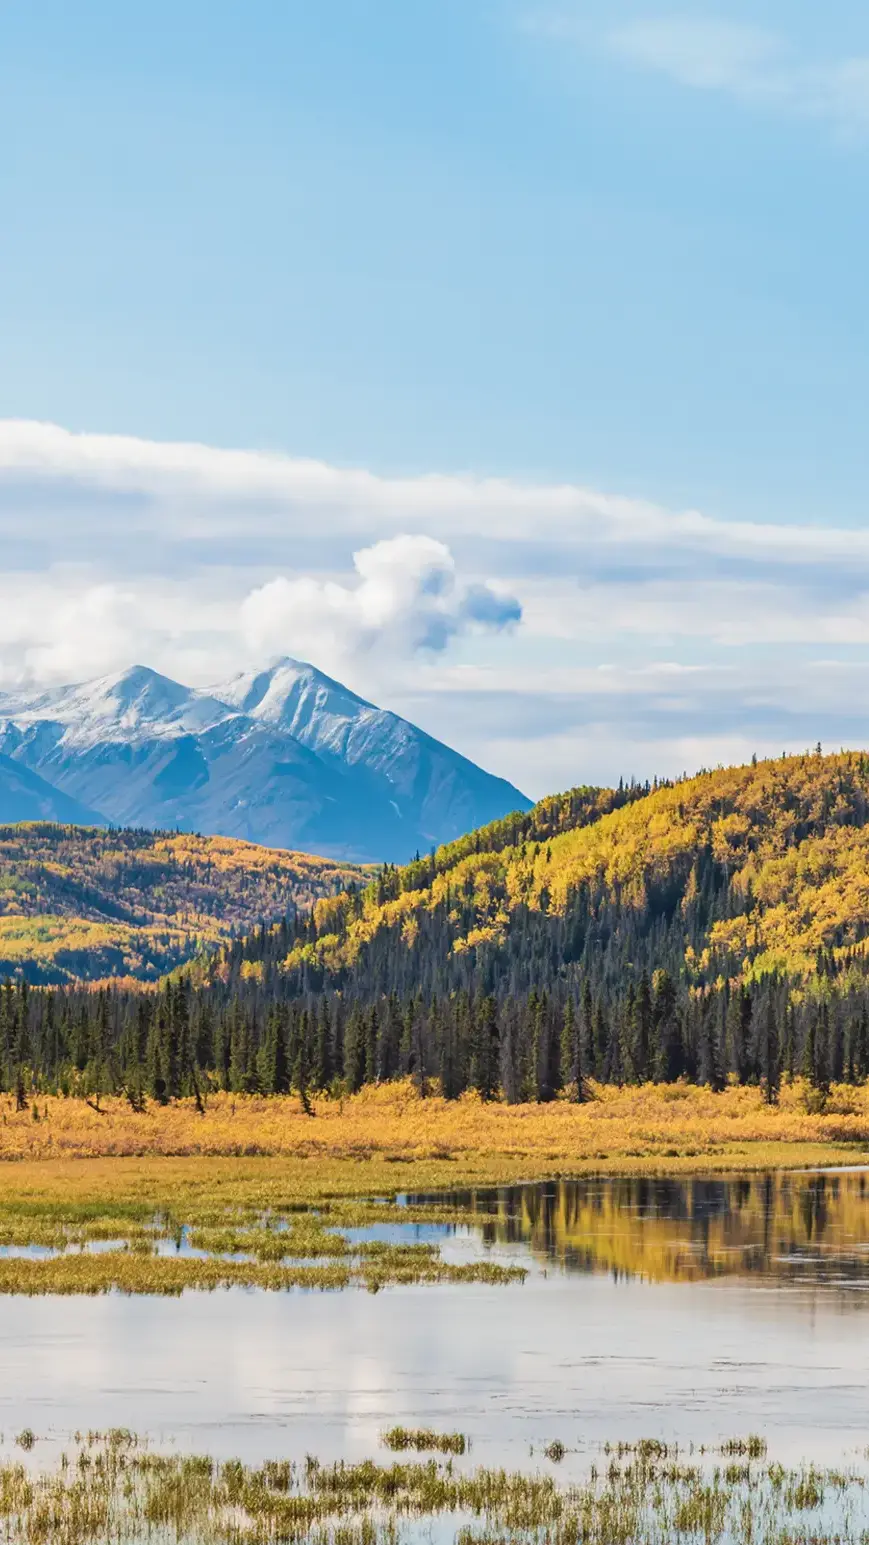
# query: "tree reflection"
{"points": [[810, 1227]]}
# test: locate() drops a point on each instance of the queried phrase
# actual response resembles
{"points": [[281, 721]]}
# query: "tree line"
{"points": [[186, 1041]]}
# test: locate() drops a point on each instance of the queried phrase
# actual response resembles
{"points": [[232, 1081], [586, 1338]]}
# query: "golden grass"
{"points": [[655, 1127], [128, 1272]]}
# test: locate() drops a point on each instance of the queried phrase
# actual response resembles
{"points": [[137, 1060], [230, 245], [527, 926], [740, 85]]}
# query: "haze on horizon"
{"points": [[507, 361]]}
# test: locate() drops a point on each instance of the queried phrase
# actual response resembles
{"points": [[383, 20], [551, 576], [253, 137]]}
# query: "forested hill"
{"points": [[87, 903], [711, 929], [736, 875]]}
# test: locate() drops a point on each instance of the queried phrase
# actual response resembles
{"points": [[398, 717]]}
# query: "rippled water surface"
{"points": [[685, 1309]]}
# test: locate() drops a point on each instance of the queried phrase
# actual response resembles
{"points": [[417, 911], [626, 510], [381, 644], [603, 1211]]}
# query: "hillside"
{"points": [[737, 874], [284, 756], [81, 902]]}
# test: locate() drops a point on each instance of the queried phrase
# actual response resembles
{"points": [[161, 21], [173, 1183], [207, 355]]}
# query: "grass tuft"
{"points": [[423, 1439]]}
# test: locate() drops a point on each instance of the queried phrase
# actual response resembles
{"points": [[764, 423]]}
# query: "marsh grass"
{"points": [[111, 1487], [752, 1447], [169, 1226], [127, 1271], [423, 1439]]}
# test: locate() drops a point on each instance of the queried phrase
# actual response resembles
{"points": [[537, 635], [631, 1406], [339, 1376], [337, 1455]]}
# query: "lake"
{"points": [[689, 1309]]}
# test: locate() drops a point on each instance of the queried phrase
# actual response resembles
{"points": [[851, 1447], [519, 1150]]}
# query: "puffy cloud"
{"points": [[63, 625], [406, 598]]}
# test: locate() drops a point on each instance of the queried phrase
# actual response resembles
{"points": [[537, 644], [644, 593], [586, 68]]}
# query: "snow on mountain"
{"points": [[321, 713], [121, 707], [434, 788], [285, 756]]}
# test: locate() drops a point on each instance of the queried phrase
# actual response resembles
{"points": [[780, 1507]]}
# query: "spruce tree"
{"points": [[486, 1047], [302, 1069], [509, 1061], [354, 1050], [667, 1036], [770, 1053], [571, 1050], [323, 1069]]}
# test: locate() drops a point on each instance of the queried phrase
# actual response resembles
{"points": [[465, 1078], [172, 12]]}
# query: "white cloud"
{"points": [[730, 612], [557, 762], [138, 503], [406, 598], [641, 627], [61, 625], [705, 53], [756, 66]]}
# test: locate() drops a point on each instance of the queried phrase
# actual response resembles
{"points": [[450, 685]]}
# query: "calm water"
{"points": [[689, 1310]]}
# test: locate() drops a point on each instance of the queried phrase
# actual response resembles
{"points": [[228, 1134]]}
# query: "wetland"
{"points": [[535, 1320]]}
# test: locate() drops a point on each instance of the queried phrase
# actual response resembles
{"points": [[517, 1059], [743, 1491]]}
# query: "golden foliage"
{"points": [[789, 838], [81, 902]]}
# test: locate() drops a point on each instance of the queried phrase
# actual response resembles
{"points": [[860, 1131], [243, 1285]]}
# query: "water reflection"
{"points": [[688, 1310], [805, 1226]]}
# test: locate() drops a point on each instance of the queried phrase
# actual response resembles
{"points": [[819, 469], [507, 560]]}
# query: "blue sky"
{"points": [[615, 246]]}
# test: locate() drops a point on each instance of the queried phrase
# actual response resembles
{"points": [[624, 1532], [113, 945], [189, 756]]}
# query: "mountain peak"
{"points": [[136, 676], [138, 685], [284, 755], [288, 693], [122, 705]]}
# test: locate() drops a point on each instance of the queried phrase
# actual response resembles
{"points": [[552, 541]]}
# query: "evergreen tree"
{"points": [[302, 1069], [667, 1035], [571, 1050], [484, 1077], [323, 1068], [509, 1061], [769, 1053], [354, 1050]]}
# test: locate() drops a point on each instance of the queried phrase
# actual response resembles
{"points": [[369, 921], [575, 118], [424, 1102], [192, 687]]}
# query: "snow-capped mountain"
{"points": [[122, 707], [284, 756]]}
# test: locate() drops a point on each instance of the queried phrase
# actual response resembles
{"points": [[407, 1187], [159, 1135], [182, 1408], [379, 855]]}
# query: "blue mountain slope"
{"points": [[285, 756], [24, 796]]}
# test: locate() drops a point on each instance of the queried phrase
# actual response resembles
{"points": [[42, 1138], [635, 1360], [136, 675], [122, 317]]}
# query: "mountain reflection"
{"points": [[811, 1227]]}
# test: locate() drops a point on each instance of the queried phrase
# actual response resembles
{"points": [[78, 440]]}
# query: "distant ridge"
{"points": [[85, 903], [285, 756]]}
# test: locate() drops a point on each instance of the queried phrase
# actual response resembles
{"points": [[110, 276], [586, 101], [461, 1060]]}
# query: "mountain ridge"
{"points": [[286, 756]]}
